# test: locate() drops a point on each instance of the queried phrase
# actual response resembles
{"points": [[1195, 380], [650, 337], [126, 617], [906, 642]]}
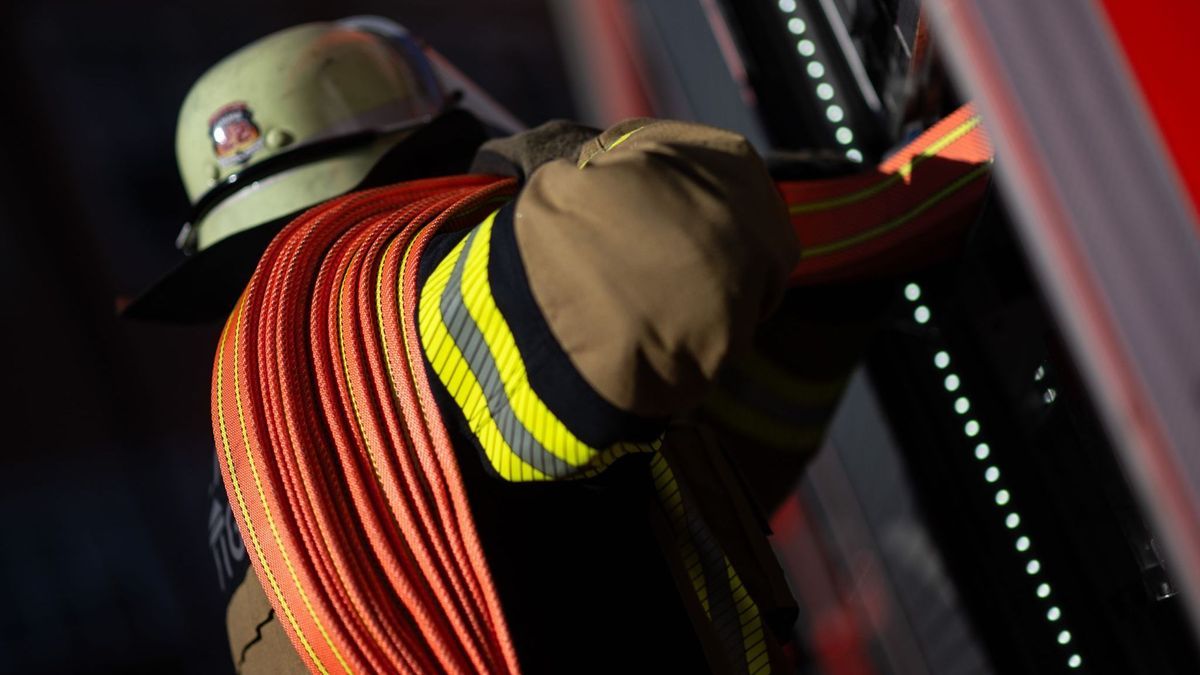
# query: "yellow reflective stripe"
{"points": [[620, 139], [452, 370], [789, 388], [757, 426], [606, 458], [901, 174], [744, 610], [545, 427], [551, 450], [671, 500], [266, 506], [764, 403], [753, 638], [874, 232]]}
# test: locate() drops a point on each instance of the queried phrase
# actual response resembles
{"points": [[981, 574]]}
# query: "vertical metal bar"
{"points": [[1109, 233]]}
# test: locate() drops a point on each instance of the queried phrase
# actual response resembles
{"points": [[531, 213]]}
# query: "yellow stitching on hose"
{"points": [[874, 232], [902, 173], [271, 519]]}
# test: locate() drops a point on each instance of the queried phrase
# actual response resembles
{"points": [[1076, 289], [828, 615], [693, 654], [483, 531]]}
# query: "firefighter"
{"points": [[633, 264]]}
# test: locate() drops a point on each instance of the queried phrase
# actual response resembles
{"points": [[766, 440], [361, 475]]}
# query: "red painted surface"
{"points": [[1163, 53], [1145, 429], [609, 39], [839, 635]]}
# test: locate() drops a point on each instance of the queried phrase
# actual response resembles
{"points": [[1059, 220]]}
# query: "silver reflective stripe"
{"points": [[469, 339]]}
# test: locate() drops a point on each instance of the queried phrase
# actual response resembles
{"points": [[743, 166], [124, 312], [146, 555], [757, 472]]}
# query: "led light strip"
{"points": [[991, 473], [835, 113]]}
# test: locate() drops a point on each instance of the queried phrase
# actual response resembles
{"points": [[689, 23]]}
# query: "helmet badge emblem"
{"points": [[235, 136]]}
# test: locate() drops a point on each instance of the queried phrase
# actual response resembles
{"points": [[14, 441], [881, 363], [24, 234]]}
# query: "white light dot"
{"points": [[1064, 637], [854, 155], [1043, 590], [824, 91], [971, 428], [1075, 661], [992, 474], [962, 405], [1002, 497], [1039, 374], [796, 26], [1033, 566], [1022, 544], [806, 47], [844, 135], [787, 5], [952, 382], [1049, 396], [941, 360], [1054, 614], [835, 113], [815, 69], [921, 314], [982, 451], [1012, 521]]}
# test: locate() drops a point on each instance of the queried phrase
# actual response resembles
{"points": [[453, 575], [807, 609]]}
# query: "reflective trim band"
{"points": [[671, 499], [620, 139], [470, 342], [765, 404], [761, 372], [727, 604], [760, 426], [754, 640], [471, 348]]}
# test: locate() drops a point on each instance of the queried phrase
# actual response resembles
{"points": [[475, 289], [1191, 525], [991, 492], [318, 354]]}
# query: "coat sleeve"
{"points": [[654, 257], [606, 298]]}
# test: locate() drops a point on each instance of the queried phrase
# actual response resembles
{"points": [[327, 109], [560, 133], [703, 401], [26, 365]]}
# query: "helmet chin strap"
{"points": [[289, 159], [441, 144]]}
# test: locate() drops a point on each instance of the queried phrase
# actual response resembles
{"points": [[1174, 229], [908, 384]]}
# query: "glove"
{"points": [[520, 155]]}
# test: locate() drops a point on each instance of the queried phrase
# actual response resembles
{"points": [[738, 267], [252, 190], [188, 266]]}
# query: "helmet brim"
{"points": [[205, 286]]}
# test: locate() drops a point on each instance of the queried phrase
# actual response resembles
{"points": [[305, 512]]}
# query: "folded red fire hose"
{"points": [[336, 459]]}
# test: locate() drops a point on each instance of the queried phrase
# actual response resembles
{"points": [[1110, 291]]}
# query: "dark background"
{"points": [[107, 452]]}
